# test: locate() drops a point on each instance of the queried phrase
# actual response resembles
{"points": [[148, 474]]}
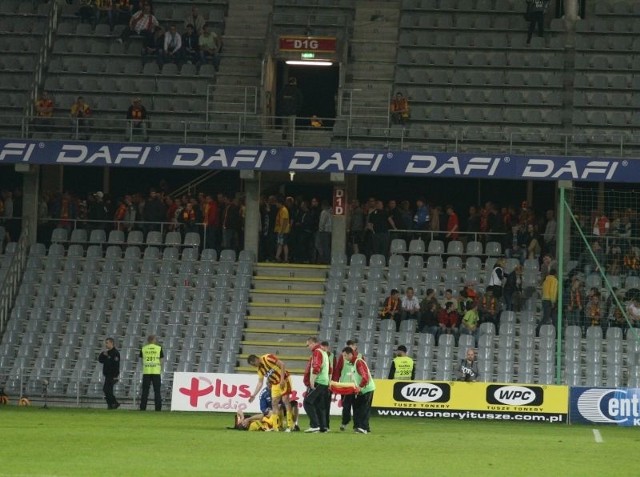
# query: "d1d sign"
{"points": [[320, 44], [339, 202]]}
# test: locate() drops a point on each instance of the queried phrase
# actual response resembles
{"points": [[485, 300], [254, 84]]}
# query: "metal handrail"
{"points": [[192, 185], [191, 132]]}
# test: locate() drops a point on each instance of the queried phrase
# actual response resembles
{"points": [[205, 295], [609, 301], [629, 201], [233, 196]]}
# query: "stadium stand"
{"points": [[108, 74], [70, 300], [22, 26]]}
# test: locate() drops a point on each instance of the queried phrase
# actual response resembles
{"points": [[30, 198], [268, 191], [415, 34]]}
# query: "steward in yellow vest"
{"points": [[151, 354], [402, 366]]}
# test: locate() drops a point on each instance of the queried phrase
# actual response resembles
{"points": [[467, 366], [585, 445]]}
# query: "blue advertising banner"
{"points": [[401, 163], [619, 406]]}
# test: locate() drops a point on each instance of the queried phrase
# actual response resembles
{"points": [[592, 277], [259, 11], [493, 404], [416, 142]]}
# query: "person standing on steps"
{"points": [[290, 104]]}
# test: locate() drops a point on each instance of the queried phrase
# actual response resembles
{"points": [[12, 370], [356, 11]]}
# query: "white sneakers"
{"points": [[312, 429], [360, 430]]}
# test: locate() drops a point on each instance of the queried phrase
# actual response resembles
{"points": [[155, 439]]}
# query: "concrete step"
{"points": [[285, 351], [291, 271], [273, 343], [290, 361], [287, 285], [248, 369], [297, 338], [289, 319], [285, 299], [360, 68], [284, 310], [226, 79], [384, 50], [241, 70], [381, 31], [281, 325], [280, 332], [273, 292]]}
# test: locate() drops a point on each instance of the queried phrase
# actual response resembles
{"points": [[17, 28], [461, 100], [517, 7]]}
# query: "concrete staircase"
{"points": [[370, 74], [243, 50], [284, 310]]}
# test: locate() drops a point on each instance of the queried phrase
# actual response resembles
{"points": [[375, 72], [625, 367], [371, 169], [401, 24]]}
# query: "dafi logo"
{"points": [[421, 392], [515, 395]]}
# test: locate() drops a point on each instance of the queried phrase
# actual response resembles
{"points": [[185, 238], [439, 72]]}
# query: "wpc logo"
{"points": [[421, 392], [515, 395]]}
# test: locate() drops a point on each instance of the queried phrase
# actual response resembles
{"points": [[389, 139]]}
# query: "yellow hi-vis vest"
{"points": [[151, 359], [404, 368]]}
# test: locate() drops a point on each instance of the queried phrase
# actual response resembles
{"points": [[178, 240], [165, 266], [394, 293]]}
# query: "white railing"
{"points": [[240, 129], [231, 99], [43, 56], [72, 386], [9, 286]]}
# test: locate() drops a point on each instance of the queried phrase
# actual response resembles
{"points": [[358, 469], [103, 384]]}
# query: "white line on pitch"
{"points": [[597, 436]]}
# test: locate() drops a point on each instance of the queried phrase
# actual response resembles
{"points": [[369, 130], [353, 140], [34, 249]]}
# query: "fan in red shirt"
{"points": [[211, 219], [449, 319], [453, 225]]}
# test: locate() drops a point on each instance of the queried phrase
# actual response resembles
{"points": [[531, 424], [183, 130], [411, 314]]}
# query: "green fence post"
{"points": [[560, 255]]}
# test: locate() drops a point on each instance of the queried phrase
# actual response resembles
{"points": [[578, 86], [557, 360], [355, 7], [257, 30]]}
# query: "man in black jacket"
{"points": [[535, 16], [110, 359]]}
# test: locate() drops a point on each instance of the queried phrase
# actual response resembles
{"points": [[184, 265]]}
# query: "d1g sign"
{"points": [[314, 44]]}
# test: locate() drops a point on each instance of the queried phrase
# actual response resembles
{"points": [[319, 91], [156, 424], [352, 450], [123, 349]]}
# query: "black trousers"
{"points": [[109, 382], [147, 380], [315, 405], [347, 404], [362, 410], [537, 18]]}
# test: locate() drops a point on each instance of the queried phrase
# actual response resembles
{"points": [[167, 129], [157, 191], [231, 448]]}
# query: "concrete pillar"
{"points": [[106, 180], [339, 223], [51, 178], [252, 210], [530, 193], [30, 190]]}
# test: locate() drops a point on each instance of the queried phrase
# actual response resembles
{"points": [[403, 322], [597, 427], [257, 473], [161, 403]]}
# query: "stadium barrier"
{"points": [[620, 406], [218, 392]]}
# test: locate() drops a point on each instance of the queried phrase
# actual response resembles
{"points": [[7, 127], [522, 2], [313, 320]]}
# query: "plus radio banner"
{"points": [[218, 392]]}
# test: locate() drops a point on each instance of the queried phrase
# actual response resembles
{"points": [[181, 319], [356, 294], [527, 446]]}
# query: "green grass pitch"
{"points": [[83, 442]]}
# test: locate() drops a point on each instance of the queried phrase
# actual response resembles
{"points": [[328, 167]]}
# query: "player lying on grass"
{"points": [[267, 421], [266, 403]]}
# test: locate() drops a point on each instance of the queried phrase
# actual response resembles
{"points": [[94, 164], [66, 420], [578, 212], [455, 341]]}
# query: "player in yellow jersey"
{"points": [[267, 421], [273, 369]]}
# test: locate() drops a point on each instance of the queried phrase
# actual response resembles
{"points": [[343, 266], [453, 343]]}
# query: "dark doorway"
{"points": [[319, 88]]}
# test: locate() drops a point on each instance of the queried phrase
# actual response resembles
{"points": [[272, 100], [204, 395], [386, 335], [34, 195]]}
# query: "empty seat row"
{"points": [[135, 237], [431, 76]]}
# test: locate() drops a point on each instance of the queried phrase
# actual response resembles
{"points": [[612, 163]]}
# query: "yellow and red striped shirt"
{"points": [[269, 369]]}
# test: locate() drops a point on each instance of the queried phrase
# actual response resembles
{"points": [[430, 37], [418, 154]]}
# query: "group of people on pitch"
{"points": [[348, 376]]}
